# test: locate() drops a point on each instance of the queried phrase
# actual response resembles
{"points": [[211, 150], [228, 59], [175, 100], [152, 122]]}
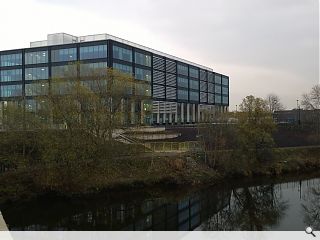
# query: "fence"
{"points": [[172, 146]]}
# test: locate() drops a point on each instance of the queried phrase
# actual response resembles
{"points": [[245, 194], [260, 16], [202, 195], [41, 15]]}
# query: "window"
{"points": [[217, 89], [95, 85], [194, 96], [142, 89], [11, 60], [143, 74], [183, 69], [90, 69], [64, 71], [11, 75], [122, 53], [217, 99], [36, 73], [194, 72], [217, 79], [182, 94], [36, 89], [225, 81], [182, 82], [92, 52], [194, 84], [62, 55], [210, 77], [225, 100], [123, 68], [225, 90], [143, 59], [36, 57], [11, 91]]}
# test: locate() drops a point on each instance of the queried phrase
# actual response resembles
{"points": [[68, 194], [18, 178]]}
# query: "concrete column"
{"points": [[133, 114], [188, 113], [158, 113], [193, 112], [176, 113], [142, 115], [122, 112], [170, 117], [199, 120], [182, 113]]}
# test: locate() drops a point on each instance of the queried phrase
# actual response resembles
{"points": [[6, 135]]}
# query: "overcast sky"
{"points": [[265, 46]]}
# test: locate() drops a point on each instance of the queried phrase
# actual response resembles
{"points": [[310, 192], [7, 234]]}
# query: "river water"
{"points": [[262, 205]]}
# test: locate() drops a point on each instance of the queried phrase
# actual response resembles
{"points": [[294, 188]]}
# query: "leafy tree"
{"points": [[255, 128]]}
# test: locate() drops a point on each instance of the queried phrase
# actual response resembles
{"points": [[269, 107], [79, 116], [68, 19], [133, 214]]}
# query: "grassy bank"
{"points": [[146, 171]]}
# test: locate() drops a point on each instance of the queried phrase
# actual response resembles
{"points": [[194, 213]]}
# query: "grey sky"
{"points": [[263, 45]]}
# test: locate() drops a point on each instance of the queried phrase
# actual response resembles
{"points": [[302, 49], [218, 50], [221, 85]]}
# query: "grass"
{"points": [[81, 178]]}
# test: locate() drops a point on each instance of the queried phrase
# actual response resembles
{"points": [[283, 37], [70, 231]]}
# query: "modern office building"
{"points": [[180, 91]]}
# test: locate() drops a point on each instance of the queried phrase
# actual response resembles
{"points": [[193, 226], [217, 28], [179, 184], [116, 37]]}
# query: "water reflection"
{"points": [[264, 207], [312, 207], [255, 209]]}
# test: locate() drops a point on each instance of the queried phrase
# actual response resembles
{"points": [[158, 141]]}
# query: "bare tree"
{"points": [[274, 103], [311, 100]]}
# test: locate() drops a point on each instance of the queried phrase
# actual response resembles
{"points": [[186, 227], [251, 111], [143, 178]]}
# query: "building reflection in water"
{"points": [[154, 214]]}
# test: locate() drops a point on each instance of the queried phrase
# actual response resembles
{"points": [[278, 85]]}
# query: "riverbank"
{"points": [[146, 171]]}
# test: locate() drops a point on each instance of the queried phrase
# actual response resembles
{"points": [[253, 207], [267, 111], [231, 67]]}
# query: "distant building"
{"points": [[181, 91], [296, 116]]}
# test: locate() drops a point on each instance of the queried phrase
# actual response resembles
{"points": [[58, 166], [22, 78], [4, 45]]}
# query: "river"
{"points": [[260, 205]]}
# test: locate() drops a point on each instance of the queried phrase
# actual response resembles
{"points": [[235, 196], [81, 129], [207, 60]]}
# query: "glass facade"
{"points": [[36, 57], [63, 55], [36, 73], [217, 78], [225, 81], [183, 82], [171, 79], [123, 68], [11, 75], [225, 100], [182, 94], [143, 74], [11, 60], [143, 89], [11, 90], [194, 84], [217, 99], [36, 89], [143, 59], [63, 71], [183, 69], [87, 69], [217, 89], [122, 53], [93, 52], [194, 96], [193, 72], [225, 90]]}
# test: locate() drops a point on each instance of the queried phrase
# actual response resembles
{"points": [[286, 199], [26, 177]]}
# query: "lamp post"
{"points": [[298, 112]]}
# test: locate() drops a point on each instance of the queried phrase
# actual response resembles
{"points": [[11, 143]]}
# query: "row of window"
{"points": [[100, 51], [41, 88], [11, 60]]}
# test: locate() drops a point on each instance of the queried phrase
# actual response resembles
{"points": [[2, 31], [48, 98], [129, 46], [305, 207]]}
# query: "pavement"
{"points": [[3, 225]]}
